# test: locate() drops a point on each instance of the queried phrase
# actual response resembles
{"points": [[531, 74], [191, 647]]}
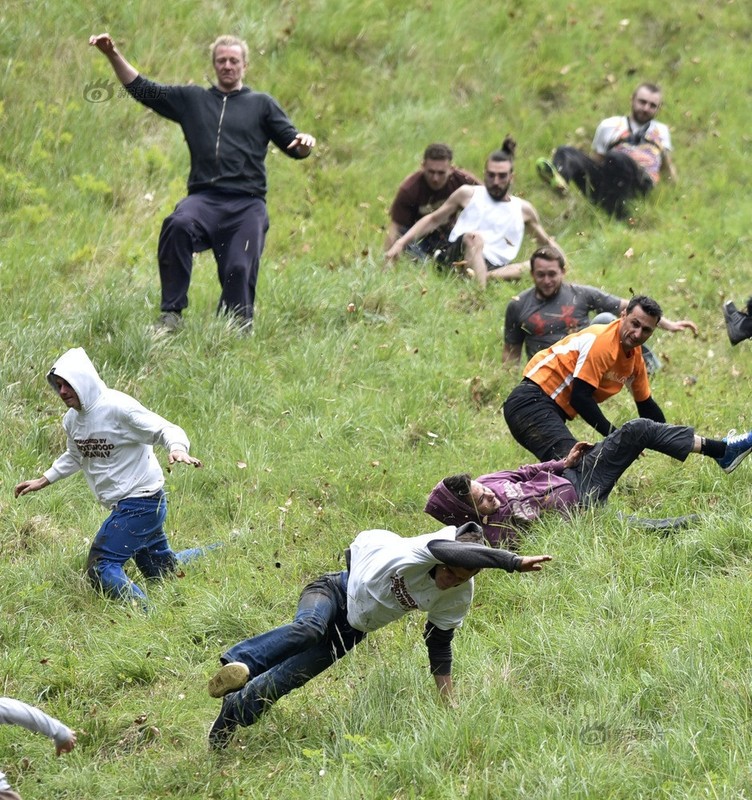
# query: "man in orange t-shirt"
{"points": [[578, 373]]}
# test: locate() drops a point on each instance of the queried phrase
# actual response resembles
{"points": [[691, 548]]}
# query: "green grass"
{"points": [[624, 670]]}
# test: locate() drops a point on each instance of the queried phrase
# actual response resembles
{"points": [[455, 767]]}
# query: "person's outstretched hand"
{"points": [[180, 456], [533, 563]]}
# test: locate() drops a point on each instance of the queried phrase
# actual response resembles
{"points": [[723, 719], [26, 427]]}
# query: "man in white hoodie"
{"points": [[111, 437], [14, 712]]}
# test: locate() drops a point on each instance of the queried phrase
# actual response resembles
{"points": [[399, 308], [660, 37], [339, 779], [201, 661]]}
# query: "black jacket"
{"points": [[227, 134]]}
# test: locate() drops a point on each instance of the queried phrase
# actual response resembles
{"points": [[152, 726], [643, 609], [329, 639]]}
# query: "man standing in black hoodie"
{"points": [[228, 128]]}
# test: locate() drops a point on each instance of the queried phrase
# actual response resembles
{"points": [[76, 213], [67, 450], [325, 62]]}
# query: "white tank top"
{"points": [[500, 223]]}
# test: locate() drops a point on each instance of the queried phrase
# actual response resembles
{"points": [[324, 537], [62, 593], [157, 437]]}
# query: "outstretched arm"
{"points": [[680, 325], [668, 324], [393, 233], [452, 205], [14, 712], [182, 457], [478, 556], [126, 73], [25, 487]]}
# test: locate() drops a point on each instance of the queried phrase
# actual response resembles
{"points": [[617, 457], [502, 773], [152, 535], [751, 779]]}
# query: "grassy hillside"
{"points": [[624, 670]]}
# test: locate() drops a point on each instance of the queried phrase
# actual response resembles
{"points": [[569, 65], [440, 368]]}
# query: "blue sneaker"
{"points": [[738, 447]]}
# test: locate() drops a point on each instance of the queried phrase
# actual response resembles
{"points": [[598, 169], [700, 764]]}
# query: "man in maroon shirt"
{"points": [[423, 192]]}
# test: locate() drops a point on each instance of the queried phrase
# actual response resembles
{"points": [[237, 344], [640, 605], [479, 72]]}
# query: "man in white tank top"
{"points": [[491, 225]]}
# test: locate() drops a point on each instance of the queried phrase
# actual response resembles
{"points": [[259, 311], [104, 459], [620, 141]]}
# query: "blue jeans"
{"points": [[134, 530], [287, 657]]}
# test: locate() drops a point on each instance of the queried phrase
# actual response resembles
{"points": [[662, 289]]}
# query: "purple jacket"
{"points": [[524, 493]]}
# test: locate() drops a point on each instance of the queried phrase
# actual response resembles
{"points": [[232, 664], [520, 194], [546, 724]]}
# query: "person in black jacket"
{"points": [[228, 128]]}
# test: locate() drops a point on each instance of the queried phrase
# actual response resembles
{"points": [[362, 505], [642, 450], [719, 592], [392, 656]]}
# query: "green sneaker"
{"points": [[550, 175]]}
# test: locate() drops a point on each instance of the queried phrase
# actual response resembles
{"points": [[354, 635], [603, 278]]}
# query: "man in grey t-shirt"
{"points": [[551, 309]]}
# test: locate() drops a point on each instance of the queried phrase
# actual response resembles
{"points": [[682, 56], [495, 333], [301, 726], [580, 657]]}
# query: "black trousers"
{"points": [[537, 423], [596, 475], [611, 184], [234, 227]]}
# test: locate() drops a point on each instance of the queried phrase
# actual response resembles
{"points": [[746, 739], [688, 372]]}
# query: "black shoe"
{"points": [[738, 324], [666, 524], [168, 322], [222, 728]]}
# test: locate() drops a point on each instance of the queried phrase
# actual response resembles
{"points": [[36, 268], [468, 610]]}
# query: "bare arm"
{"points": [[680, 325], [668, 167], [452, 205], [445, 688], [534, 228], [392, 234], [511, 354], [124, 71], [25, 487], [668, 324]]}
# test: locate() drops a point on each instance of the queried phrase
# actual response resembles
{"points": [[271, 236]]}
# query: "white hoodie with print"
{"points": [[112, 437]]}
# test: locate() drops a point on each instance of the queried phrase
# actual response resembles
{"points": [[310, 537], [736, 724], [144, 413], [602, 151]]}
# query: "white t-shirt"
{"points": [[499, 222], [613, 133], [389, 577]]}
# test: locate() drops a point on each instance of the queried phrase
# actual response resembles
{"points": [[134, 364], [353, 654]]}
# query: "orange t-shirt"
{"points": [[593, 355]]}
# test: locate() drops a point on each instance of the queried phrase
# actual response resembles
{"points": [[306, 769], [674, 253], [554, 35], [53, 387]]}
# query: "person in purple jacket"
{"points": [[505, 503]]}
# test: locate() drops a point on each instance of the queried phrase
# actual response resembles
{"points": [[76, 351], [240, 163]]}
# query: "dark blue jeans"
{"points": [[288, 657], [596, 475], [134, 529], [234, 227]]}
